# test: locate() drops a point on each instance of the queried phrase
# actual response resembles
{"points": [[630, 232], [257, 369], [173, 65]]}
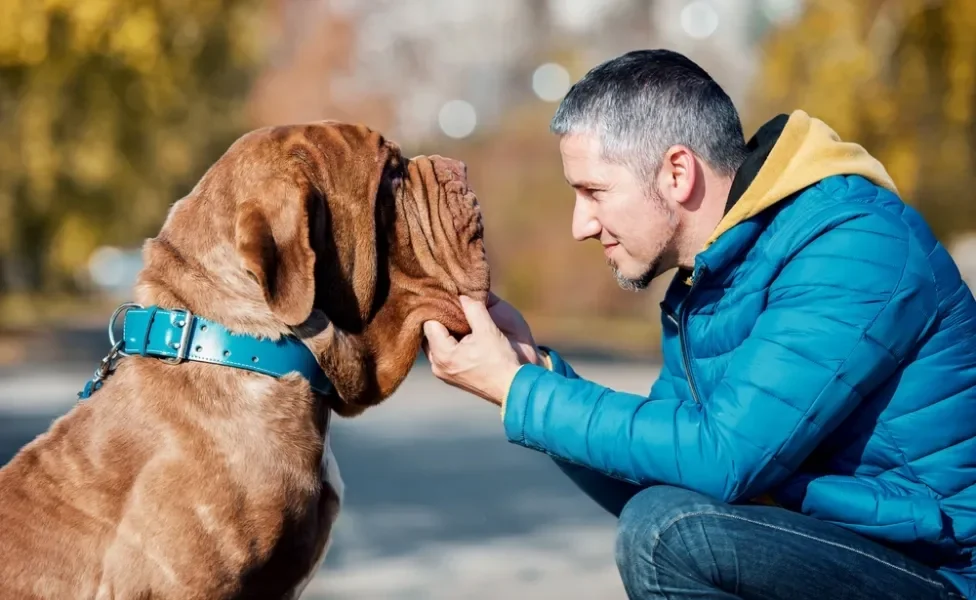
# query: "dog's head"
{"points": [[326, 231]]}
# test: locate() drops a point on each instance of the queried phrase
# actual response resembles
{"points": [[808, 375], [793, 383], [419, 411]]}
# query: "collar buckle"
{"points": [[183, 346]]}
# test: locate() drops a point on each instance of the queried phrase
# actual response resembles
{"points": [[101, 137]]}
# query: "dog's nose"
{"points": [[460, 169], [456, 167]]}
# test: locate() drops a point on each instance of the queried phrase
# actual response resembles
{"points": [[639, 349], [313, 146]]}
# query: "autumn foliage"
{"points": [[111, 109], [897, 76]]}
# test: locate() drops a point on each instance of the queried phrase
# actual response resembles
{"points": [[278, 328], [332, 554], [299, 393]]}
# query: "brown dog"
{"points": [[202, 481]]}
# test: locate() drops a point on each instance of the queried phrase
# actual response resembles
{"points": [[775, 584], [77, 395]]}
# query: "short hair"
{"points": [[645, 101]]}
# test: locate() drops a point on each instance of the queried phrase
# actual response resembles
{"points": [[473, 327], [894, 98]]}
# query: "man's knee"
{"points": [[658, 533], [652, 511]]}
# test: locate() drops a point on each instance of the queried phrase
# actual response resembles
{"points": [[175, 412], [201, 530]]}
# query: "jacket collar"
{"points": [[758, 149]]}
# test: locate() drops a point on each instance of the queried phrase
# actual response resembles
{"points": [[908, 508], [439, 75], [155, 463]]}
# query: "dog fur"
{"points": [[198, 481]]}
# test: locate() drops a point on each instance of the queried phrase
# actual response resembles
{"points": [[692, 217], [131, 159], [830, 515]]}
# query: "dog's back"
{"points": [[61, 500]]}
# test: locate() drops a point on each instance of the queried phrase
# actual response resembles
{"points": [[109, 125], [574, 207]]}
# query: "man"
{"points": [[812, 431]]}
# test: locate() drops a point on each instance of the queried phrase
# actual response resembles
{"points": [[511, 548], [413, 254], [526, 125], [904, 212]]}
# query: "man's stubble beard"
{"points": [[631, 284]]}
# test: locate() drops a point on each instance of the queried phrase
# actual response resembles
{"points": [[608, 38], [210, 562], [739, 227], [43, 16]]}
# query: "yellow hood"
{"points": [[807, 151]]}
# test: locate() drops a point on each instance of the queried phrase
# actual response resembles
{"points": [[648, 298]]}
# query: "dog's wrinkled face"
{"points": [[438, 247], [426, 225], [327, 231]]}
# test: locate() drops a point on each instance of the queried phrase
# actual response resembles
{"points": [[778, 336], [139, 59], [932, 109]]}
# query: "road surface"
{"points": [[439, 505]]}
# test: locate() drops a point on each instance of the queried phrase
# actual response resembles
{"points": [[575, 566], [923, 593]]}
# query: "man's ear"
{"points": [[272, 238], [679, 173]]}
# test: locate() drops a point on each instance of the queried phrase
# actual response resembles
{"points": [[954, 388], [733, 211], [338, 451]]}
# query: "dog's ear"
{"points": [[272, 238], [357, 203]]}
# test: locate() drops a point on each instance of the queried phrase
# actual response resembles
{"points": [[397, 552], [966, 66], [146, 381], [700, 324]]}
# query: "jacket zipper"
{"points": [[679, 322]]}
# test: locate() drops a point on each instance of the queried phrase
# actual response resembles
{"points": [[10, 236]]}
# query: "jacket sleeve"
{"points": [[611, 493], [845, 309]]}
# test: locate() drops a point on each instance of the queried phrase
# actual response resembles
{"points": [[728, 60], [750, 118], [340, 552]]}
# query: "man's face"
{"points": [[628, 216]]}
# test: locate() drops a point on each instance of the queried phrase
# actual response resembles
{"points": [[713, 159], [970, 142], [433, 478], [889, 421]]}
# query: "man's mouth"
{"points": [[608, 249]]}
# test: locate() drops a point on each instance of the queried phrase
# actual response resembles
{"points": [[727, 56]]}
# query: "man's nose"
{"points": [[585, 223]]}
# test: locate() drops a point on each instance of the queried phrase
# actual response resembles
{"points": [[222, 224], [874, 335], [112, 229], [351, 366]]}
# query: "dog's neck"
{"points": [[364, 370], [210, 286]]}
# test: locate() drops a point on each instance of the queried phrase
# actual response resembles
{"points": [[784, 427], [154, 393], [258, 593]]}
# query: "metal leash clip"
{"points": [[105, 368], [108, 363]]}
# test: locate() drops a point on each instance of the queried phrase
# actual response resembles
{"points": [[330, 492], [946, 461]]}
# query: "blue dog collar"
{"points": [[175, 336]]}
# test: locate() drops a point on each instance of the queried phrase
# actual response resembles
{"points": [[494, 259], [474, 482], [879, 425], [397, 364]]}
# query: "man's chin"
{"points": [[636, 284]]}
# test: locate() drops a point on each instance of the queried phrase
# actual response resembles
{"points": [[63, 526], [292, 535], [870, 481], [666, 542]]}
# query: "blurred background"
{"points": [[110, 110]]}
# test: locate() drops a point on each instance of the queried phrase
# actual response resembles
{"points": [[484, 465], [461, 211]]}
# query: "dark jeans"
{"points": [[677, 544]]}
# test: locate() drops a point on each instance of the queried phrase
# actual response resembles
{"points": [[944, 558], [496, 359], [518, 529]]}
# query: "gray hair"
{"points": [[645, 101]]}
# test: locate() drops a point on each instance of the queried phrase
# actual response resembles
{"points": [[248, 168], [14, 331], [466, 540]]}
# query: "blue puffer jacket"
{"points": [[823, 351]]}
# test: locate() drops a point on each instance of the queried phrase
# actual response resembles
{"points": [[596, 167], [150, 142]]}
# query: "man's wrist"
{"points": [[509, 378], [543, 359]]}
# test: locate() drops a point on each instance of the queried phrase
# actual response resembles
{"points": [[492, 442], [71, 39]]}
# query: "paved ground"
{"points": [[439, 505]]}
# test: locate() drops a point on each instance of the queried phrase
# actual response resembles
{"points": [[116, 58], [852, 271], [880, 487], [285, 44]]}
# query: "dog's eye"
{"points": [[395, 171]]}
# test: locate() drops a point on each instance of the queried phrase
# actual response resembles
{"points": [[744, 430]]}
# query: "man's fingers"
{"points": [[496, 307], [438, 346], [477, 315], [439, 340], [493, 299]]}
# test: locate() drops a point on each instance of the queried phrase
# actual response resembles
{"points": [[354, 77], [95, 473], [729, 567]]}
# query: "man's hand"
{"points": [[485, 361], [513, 325]]}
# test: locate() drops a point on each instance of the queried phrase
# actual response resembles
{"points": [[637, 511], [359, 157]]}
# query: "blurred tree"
{"points": [[316, 60], [109, 111], [897, 76]]}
